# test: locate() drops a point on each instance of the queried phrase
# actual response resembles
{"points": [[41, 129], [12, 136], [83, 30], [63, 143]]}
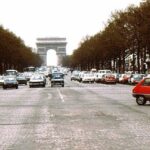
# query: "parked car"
{"points": [[142, 91], [10, 82], [108, 78], [37, 80], [88, 77], [1, 80], [81, 75], [116, 76], [135, 78], [93, 70], [123, 78], [75, 75], [21, 79], [57, 79], [100, 73]]}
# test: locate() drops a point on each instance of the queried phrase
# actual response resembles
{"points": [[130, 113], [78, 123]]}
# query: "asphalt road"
{"points": [[76, 117]]}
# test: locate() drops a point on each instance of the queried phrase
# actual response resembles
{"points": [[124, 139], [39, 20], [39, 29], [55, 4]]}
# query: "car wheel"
{"points": [[140, 100], [4, 87], [62, 85], [16, 87]]}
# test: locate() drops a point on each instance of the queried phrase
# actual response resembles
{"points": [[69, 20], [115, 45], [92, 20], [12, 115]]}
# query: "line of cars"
{"points": [[12, 79], [100, 76], [106, 76], [103, 76], [141, 90]]}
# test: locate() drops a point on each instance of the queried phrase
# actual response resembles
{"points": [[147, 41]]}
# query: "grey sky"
{"points": [[73, 19]]}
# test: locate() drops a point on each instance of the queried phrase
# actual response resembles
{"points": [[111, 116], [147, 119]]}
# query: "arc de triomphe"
{"points": [[56, 43]]}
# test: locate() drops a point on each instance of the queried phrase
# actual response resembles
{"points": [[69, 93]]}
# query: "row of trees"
{"points": [[126, 35], [14, 54]]}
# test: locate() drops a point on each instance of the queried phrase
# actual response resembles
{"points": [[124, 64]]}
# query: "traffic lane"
{"points": [[104, 118], [19, 113], [75, 118]]}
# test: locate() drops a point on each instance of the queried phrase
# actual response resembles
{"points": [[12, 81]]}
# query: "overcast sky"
{"points": [[73, 19]]}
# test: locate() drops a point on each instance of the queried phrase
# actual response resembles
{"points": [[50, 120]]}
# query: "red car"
{"points": [[108, 78], [142, 91]]}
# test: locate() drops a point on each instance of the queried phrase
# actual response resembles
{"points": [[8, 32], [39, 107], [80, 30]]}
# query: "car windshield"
{"points": [[36, 78], [11, 72], [9, 79], [57, 76], [147, 82]]}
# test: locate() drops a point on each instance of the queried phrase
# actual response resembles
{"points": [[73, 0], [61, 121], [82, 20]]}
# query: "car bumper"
{"points": [[22, 81], [10, 85], [57, 82], [147, 96], [36, 83]]}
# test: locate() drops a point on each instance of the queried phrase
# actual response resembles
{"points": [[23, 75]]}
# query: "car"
{"points": [[37, 80], [10, 82], [21, 79], [123, 78], [108, 78], [135, 78], [88, 77], [100, 73], [1, 80], [75, 75], [28, 75], [81, 75], [93, 70], [57, 79], [142, 91], [116, 76]]}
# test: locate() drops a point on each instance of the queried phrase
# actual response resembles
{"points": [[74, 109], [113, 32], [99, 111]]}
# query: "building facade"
{"points": [[51, 43]]}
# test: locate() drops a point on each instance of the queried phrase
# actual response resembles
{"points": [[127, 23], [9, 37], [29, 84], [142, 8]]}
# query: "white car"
{"points": [[81, 75], [37, 80], [1, 80], [88, 77]]}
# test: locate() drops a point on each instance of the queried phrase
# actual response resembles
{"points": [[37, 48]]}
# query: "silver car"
{"points": [[37, 80], [10, 82]]}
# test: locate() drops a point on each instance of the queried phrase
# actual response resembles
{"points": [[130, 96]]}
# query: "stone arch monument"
{"points": [[56, 43]]}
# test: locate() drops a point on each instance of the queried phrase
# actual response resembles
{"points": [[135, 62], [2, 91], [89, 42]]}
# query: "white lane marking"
{"points": [[60, 95]]}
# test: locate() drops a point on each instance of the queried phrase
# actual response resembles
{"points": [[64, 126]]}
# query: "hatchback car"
{"points": [[142, 91]]}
